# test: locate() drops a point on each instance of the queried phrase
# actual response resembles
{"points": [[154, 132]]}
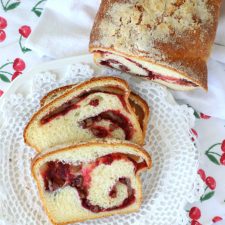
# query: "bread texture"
{"points": [[95, 108], [113, 164], [165, 41], [138, 104]]}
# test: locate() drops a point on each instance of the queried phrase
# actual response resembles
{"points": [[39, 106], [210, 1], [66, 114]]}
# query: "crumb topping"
{"points": [[175, 33], [137, 25]]}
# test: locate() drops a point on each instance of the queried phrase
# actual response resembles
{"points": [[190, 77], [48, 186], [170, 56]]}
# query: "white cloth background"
{"points": [[64, 30], [210, 131]]}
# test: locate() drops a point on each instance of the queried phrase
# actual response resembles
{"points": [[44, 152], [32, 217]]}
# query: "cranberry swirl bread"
{"points": [[95, 108], [138, 104], [90, 180], [166, 41]]}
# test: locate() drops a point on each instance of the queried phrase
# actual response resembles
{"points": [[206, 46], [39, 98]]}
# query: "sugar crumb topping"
{"points": [[136, 25]]}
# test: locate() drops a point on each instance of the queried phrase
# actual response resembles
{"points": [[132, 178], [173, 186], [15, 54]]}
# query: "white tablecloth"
{"points": [[16, 59]]}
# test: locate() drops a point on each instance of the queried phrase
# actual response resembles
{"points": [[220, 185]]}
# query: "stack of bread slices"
{"points": [[89, 139]]}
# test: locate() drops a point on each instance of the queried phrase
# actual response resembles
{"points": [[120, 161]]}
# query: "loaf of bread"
{"points": [[138, 104], [90, 180], [95, 108], [166, 41]]}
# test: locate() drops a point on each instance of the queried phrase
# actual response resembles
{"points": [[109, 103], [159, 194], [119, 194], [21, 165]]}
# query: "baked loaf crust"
{"points": [[138, 104], [95, 108], [165, 41], [90, 180]]}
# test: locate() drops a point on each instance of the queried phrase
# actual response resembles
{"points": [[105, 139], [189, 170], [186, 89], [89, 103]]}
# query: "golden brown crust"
{"points": [[141, 109], [71, 148], [54, 92], [185, 52], [80, 86]]}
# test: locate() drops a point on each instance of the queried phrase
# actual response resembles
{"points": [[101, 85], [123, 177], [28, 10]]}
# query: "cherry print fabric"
{"points": [[18, 20]]}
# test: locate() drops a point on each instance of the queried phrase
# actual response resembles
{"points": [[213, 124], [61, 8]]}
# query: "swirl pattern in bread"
{"points": [[90, 180]]}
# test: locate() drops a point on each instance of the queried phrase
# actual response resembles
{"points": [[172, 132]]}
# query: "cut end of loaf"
{"points": [[187, 79]]}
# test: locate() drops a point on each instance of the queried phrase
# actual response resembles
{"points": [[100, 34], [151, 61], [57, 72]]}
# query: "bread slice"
{"points": [[168, 42], [90, 180], [95, 108], [138, 104]]}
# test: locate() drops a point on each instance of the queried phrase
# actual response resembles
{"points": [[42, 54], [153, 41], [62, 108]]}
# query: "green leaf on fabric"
{"points": [[196, 115], [195, 112], [24, 50], [12, 6], [4, 78], [207, 196], [37, 12], [212, 158]]}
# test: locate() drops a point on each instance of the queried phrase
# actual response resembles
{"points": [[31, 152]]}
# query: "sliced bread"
{"points": [[138, 104], [90, 180], [96, 108]]}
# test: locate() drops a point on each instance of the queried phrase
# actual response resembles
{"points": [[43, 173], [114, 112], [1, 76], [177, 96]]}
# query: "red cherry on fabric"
{"points": [[195, 222], [201, 172], [217, 219], [3, 23], [16, 74], [1, 92], [25, 31], [194, 213], [2, 35], [223, 146], [204, 116], [222, 159], [210, 182], [19, 65]]}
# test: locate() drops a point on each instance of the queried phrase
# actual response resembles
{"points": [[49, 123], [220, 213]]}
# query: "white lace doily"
{"points": [[170, 184]]}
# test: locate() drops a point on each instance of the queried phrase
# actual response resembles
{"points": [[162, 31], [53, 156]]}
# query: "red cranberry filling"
{"points": [[111, 62], [115, 117], [74, 104], [100, 132], [57, 174], [151, 75], [94, 102]]}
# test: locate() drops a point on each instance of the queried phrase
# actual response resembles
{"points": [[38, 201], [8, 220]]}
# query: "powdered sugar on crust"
{"points": [[142, 23], [176, 34]]}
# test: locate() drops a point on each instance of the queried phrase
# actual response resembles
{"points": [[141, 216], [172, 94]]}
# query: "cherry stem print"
{"points": [[1, 71], [210, 184], [18, 66], [207, 196], [38, 10], [212, 155], [3, 77], [6, 64], [9, 6], [23, 49]]}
